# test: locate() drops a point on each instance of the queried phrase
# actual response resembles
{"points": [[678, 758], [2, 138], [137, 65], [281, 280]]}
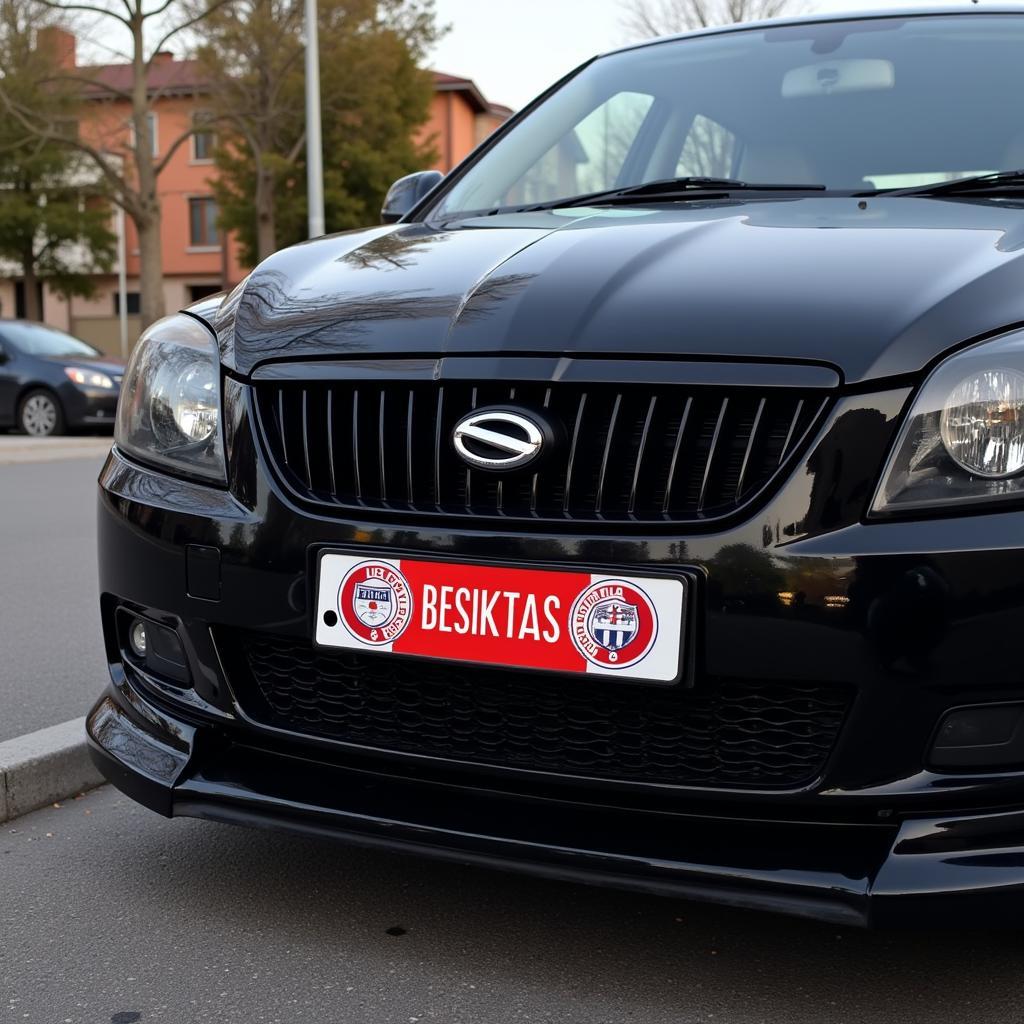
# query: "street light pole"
{"points": [[314, 145], [122, 284]]}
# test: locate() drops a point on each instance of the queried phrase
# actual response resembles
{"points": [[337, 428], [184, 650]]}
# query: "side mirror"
{"points": [[406, 194], [3, 356]]}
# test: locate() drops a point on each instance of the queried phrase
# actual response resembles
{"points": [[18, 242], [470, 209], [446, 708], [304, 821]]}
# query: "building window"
{"points": [[20, 305], [131, 303], [203, 141], [196, 292], [202, 218]]}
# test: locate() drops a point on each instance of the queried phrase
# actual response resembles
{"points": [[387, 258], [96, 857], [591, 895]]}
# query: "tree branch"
{"points": [[172, 149], [293, 153], [61, 5], [647, 18], [122, 194], [186, 24]]}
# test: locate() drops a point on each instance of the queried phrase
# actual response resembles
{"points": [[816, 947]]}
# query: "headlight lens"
{"points": [[964, 439], [169, 410], [88, 378], [982, 423]]}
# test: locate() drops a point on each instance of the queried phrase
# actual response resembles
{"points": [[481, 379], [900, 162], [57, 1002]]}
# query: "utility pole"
{"points": [[314, 145], [122, 284]]}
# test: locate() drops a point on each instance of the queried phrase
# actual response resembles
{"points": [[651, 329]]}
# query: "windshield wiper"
{"points": [[669, 188], [995, 182]]}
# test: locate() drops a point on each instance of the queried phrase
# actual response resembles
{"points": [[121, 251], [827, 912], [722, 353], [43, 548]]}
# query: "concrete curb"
{"points": [[44, 767]]}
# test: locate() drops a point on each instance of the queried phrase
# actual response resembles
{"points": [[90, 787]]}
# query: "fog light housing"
{"points": [[989, 736], [157, 649], [137, 638]]}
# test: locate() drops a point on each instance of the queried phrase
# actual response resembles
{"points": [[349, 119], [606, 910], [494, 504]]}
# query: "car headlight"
{"points": [[169, 409], [963, 441], [88, 378]]}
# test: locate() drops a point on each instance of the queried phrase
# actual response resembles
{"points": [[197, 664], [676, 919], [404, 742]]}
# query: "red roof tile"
{"points": [[186, 76], [165, 75]]}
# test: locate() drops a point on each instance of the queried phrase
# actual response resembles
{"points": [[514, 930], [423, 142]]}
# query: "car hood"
{"points": [[875, 291]]}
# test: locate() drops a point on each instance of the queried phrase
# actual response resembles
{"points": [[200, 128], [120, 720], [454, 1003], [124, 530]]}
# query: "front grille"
{"points": [[724, 734], [627, 453]]}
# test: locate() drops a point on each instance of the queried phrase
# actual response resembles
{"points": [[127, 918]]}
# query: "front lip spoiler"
{"points": [[950, 871], [699, 889], [250, 786]]}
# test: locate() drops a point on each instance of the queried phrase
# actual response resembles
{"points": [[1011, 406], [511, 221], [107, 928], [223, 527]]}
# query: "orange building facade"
{"points": [[197, 259], [460, 119]]}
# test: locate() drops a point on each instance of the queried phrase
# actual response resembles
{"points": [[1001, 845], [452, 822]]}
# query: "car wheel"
{"points": [[40, 414]]}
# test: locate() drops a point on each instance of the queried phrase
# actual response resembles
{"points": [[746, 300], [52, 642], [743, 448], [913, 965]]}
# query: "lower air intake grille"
{"points": [[626, 453], [725, 734]]}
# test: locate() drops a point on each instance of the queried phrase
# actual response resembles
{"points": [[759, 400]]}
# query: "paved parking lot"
{"points": [[109, 913], [51, 661]]}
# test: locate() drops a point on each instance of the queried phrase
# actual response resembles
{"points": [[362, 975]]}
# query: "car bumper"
{"points": [[959, 870], [912, 619], [88, 407]]}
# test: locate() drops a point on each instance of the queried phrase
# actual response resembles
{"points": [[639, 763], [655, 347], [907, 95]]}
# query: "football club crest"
{"points": [[613, 624], [375, 603]]}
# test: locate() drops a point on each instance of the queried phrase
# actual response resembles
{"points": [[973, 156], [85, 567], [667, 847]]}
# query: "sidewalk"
{"points": [[16, 448], [53, 665]]}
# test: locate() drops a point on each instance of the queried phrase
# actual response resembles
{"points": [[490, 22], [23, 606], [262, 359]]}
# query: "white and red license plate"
{"points": [[626, 626]]}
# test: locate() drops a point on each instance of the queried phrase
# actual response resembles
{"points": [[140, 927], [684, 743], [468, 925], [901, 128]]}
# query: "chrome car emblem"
{"points": [[498, 439]]}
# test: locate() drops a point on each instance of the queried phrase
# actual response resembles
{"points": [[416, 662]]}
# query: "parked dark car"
{"points": [[645, 506], [51, 382]]}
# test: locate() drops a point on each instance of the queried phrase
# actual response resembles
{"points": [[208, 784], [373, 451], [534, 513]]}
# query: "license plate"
{"points": [[555, 620]]}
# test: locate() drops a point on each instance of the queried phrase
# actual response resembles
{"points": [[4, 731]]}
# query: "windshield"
{"points": [[854, 106], [36, 340]]}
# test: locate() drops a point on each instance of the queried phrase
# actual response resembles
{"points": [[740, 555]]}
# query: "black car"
{"points": [[644, 507], [51, 382]]}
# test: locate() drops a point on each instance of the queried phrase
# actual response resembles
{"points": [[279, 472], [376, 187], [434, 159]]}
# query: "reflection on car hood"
{"points": [[876, 292]]}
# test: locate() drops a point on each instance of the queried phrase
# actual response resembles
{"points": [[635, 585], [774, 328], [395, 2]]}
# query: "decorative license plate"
{"points": [[559, 621]]}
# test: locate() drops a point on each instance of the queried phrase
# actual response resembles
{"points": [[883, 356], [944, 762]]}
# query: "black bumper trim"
{"points": [[834, 912], [951, 871], [549, 838]]}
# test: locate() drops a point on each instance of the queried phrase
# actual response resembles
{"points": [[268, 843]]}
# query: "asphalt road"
{"points": [[109, 913], [51, 654], [112, 915]]}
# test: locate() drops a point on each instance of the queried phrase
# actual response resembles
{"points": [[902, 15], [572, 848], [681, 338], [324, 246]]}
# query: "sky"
{"points": [[514, 50]]}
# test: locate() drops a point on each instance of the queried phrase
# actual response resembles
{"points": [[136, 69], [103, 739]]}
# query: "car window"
{"points": [[844, 104], [710, 150], [588, 158], [37, 340]]}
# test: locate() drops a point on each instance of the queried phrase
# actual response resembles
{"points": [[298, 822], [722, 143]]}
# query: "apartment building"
{"points": [[198, 259]]}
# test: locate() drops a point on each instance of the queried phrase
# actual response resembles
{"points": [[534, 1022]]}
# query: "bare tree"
{"points": [[374, 95], [644, 19], [252, 53], [125, 159]]}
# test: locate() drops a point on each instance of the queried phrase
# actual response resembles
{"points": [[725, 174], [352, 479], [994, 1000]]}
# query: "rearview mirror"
{"points": [[832, 77], [406, 193]]}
